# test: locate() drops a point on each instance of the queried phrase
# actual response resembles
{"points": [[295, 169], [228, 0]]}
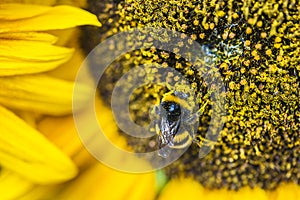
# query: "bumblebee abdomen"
{"points": [[182, 139]]}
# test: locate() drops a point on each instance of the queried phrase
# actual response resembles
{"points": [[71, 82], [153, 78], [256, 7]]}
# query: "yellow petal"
{"points": [[101, 182], [42, 192], [29, 117], [58, 17], [30, 36], [191, 189], [39, 93], [143, 188], [11, 66], [12, 185], [75, 149], [25, 151], [67, 36], [25, 57], [248, 193], [77, 3], [69, 69], [15, 187], [19, 11], [63, 134], [182, 188], [39, 2], [288, 191], [221, 194]]}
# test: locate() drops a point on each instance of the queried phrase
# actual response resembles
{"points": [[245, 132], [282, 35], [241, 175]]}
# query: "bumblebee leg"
{"points": [[153, 127], [201, 110], [154, 120]]}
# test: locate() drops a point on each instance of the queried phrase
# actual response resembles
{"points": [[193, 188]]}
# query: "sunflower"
{"points": [[242, 38], [30, 35], [255, 47]]}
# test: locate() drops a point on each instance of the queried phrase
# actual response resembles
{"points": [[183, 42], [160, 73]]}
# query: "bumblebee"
{"points": [[175, 124]]}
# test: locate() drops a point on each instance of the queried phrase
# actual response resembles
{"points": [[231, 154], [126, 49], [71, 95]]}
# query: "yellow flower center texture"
{"points": [[255, 45]]}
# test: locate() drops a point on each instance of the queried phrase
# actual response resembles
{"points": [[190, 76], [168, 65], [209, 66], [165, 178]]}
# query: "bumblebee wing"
{"points": [[169, 129]]}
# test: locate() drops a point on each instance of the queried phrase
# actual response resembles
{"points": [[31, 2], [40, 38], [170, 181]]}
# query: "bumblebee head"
{"points": [[171, 111]]}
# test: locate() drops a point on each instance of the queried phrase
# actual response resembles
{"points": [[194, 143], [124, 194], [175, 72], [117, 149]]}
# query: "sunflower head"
{"points": [[255, 48]]}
